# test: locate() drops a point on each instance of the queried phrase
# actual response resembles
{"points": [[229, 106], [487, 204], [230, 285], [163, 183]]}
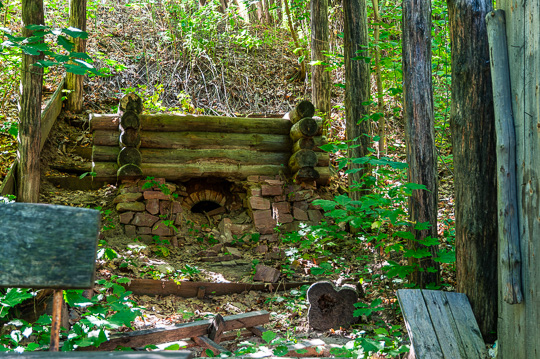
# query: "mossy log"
{"points": [[304, 143], [306, 127], [107, 171], [197, 140], [128, 155], [130, 138], [161, 155], [306, 174], [302, 110], [302, 158], [129, 171], [130, 120], [324, 175], [323, 159], [131, 102], [100, 121]]}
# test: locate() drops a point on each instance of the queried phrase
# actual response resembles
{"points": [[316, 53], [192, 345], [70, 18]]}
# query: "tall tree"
{"points": [[320, 79], [30, 110], [77, 19], [472, 121], [357, 82], [420, 133]]}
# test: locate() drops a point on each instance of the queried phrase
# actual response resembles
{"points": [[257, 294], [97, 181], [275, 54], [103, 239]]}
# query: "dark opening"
{"points": [[204, 206]]}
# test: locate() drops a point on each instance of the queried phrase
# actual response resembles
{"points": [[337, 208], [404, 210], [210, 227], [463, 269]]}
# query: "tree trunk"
{"points": [[419, 132], [473, 140], [77, 18], [357, 86], [320, 79], [378, 79], [301, 74], [30, 112]]}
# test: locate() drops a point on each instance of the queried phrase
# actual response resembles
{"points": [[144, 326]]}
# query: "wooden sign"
{"points": [[47, 246]]}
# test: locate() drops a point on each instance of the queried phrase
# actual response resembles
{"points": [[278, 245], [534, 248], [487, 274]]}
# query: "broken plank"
{"points": [[191, 289], [205, 342], [216, 328], [141, 338]]}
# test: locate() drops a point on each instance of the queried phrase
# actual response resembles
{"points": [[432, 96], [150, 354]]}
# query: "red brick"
{"points": [[284, 218], [176, 207], [281, 198], [127, 197], [300, 214], [152, 206], [156, 195], [255, 191], [266, 274], [271, 190], [264, 223], [253, 179], [259, 203], [281, 207], [144, 220], [126, 217]]}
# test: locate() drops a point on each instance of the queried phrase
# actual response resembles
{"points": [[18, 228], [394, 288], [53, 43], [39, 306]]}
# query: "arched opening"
{"points": [[204, 206]]}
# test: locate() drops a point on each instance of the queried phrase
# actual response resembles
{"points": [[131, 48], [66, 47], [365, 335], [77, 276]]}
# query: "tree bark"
{"points": [[419, 133], [473, 141], [30, 111], [378, 78], [357, 86], [320, 79], [302, 158], [302, 110], [77, 18], [307, 127]]}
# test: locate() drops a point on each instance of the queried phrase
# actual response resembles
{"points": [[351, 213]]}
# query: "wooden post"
{"points": [[77, 19], [510, 255], [320, 78], [129, 158], [58, 300]]}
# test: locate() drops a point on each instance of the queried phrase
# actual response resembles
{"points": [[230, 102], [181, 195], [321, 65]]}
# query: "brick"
{"points": [[264, 223], [179, 219], [130, 230], [152, 206], [127, 197], [284, 218], [176, 207], [160, 229], [131, 189], [276, 253], [271, 190], [130, 206], [269, 237], [281, 198], [267, 178], [315, 215], [259, 203], [240, 228], [255, 191], [301, 195], [144, 220], [261, 249], [156, 195], [164, 207], [281, 207], [300, 214], [291, 227], [126, 217], [144, 230], [303, 205], [253, 179], [274, 182]]}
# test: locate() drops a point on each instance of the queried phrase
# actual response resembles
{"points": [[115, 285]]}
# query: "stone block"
{"points": [[269, 237], [293, 226], [259, 203], [331, 308], [130, 189], [301, 195], [300, 214], [144, 220], [130, 230], [161, 229], [164, 207], [281, 207], [315, 215], [264, 222], [126, 217], [179, 220], [255, 191], [276, 253], [152, 206], [274, 182], [144, 230], [127, 197], [239, 229], [146, 238], [281, 198], [271, 190], [176, 207], [261, 249], [266, 274], [253, 178], [130, 206], [268, 178], [156, 195], [303, 205]]}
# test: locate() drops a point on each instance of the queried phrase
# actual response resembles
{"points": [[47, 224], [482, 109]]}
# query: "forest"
{"points": [[267, 178]]}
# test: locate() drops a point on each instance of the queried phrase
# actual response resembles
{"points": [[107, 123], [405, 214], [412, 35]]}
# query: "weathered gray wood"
{"points": [[510, 256], [90, 355], [302, 158], [47, 246], [467, 327], [209, 344], [424, 342], [141, 338], [519, 325], [198, 140]]}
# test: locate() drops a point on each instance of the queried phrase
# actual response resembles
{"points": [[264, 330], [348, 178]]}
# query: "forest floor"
{"points": [[228, 79]]}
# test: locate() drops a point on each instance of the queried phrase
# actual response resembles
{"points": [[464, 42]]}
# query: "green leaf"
{"points": [[417, 253], [65, 43], [422, 226], [80, 55], [280, 350], [37, 27], [124, 317], [209, 353], [75, 298], [30, 50], [325, 204], [414, 186], [268, 336], [444, 256], [173, 347], [74, 32], [317, 270], [46, 63]]}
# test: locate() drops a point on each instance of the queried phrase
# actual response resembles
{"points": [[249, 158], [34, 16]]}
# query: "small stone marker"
{"points": [[330, 307], [266, 274]]}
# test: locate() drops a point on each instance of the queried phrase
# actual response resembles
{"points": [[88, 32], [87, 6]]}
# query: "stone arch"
{"points": [[209, 195]]}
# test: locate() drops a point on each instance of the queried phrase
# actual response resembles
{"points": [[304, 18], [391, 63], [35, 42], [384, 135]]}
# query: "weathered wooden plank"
{"points": [[421, 332], [443, 322], [47, 246], [190, 289], [209, 344], [470, 336], [506, 160], [141, 338], [121, 355]]}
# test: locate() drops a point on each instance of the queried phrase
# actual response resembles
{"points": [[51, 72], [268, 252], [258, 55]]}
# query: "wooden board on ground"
{"points": [[440, 325], [47, 246], [191, 289], [141, 338]]}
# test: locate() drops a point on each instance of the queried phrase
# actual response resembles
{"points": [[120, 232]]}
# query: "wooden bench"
{"points": [[440, 325], [49, 246]]}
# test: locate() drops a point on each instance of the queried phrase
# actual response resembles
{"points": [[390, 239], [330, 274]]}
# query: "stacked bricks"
{"points": [[129, 158], [147, 209], [273, 202]]}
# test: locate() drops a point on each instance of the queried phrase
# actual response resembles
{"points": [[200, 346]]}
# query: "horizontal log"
{"points": [[323, 159], [325, 173], [302, 158], [130, 137], [306, 127], [306, 174], [304, 143], [197, 140], [161, 155], [106, 171], [193, 123], [319, 141]]}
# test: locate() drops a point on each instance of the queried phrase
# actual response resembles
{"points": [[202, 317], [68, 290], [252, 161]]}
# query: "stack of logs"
{"points": [[182, 147], [304, 128]]}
